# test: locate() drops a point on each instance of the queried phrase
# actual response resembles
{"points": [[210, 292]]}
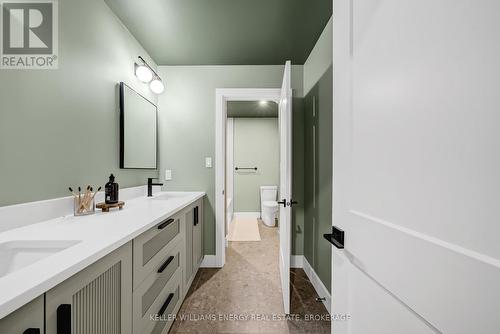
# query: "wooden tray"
{"points": [[105, 207]]}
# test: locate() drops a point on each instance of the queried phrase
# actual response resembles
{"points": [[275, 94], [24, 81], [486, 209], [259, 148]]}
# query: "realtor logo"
{"points": [[29, 34]]}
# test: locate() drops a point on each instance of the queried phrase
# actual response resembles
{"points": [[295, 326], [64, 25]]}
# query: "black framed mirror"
{"points": [[138, 130]]}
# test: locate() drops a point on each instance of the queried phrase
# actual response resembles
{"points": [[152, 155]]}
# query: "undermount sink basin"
{"points": [[17, 254], [169, 196]]}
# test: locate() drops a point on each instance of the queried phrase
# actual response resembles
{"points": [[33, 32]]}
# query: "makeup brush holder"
{"points": [[84, 206]]}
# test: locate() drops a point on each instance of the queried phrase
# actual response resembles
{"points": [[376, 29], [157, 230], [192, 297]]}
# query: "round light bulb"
{"points": [[157, 86], [143, 73]]}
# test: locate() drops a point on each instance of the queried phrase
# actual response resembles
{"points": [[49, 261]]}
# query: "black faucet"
{"points": [[151, 184]]}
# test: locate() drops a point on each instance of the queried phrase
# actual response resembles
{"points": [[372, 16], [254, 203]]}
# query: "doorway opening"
{"points": [[252, 170], [225, 199], [283, 97]]}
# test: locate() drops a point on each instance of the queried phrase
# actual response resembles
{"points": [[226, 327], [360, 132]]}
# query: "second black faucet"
{"points": [[151, 184]]}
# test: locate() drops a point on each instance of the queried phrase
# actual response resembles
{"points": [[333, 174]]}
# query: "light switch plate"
{"points": [[168, 175], [208, 162]]}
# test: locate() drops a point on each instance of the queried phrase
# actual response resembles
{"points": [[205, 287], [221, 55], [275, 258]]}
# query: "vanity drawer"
{"points": [[159, 315], [151, 247], [151, 287]]}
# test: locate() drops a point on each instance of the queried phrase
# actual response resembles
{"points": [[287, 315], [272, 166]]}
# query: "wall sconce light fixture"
{"points": [[146, 74]]}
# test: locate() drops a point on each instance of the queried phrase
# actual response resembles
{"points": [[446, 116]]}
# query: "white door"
{"points": [[416, 166], [285, 191]]}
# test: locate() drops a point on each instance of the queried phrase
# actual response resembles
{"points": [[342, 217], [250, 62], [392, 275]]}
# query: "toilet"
{"points": [[268, 204]]}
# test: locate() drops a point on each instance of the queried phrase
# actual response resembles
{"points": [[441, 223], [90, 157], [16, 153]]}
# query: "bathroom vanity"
{"points": [[120, 272]]}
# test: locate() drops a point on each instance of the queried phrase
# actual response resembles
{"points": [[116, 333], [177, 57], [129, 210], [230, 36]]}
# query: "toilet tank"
{"points": [[268, 193]]}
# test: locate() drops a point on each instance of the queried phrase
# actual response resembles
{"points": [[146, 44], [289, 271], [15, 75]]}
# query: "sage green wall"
{"points": [[298, 210], [187, 123], [318, 176], [61, 127], [320, 59], [318, 155], [256, 143], [317, 64]]}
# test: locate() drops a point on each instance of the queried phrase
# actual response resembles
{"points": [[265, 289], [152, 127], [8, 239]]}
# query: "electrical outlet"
{"points": [[168, 175], [208, 162]]}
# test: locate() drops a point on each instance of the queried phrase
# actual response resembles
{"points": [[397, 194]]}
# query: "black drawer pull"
{"points": [[32, 331], [165, 304], [64, 319], [165, 265], [166, 223]]}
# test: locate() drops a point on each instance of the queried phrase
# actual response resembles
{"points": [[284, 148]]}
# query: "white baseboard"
{"points": [[320, 288], [255, 215], [297, 261], [209, 261], [300, 261]]}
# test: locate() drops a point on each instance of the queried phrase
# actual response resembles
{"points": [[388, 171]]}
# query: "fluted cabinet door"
{"points": [[96, 300]]}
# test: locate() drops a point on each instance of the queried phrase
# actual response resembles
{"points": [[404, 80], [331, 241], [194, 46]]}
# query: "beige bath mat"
{"points": [[244, 229]]}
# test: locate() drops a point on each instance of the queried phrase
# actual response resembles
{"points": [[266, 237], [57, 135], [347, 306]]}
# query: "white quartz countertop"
{"points": [[99, 235]]}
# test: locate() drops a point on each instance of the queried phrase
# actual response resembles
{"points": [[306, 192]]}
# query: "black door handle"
{"points": [[336, 237], [32, 331], [64, 319], [283, 202], [292, 203]]}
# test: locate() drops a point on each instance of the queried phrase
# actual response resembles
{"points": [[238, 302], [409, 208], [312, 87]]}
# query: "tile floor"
{"points": [[245, 295]]}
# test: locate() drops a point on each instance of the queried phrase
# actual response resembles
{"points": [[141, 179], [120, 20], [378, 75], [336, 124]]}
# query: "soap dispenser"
{"points": [[111, 191]]}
